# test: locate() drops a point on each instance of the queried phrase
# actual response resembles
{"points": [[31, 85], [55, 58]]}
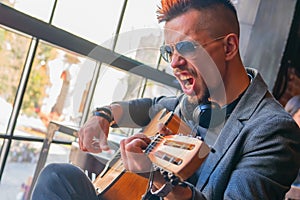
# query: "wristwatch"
{"points": [[164, 190], [106, 113]]}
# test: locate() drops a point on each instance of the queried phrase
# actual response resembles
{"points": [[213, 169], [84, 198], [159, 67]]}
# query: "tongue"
{"points": [[190, 81]]}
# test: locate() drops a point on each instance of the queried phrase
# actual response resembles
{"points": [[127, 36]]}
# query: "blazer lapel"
{"points": [[233, 126], [219, 149]]}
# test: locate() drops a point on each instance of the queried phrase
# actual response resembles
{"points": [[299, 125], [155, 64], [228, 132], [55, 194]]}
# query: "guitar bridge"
{"points": [[178, 154], [168, 157]]}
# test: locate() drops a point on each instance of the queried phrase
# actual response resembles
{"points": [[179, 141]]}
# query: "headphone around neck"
{"points": [[207, 114]]}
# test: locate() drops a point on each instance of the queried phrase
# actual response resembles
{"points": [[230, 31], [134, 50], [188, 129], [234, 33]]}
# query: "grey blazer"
{"points": [[257, 152]]}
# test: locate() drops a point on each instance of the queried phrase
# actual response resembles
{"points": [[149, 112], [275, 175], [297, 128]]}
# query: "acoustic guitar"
{"points": [[114, 182]]}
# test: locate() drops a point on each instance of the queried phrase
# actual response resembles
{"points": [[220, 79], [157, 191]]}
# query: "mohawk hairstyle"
{"points": [[173, 8]]}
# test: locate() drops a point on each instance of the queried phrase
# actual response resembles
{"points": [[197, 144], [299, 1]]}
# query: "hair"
{"points": [[293, 105], [223, 11], [173, 8]]}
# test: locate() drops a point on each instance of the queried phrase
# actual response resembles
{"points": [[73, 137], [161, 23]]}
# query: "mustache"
{"points": [[189, 70]]}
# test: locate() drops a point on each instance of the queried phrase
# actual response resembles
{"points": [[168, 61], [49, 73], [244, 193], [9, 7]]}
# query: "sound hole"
{"points": [[168, 157], [178, 144]]}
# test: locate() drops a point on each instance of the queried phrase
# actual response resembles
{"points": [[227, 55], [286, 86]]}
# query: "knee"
{"points": [[57, 170]]}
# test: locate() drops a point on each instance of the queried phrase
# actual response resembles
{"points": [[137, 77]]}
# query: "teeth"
{"points": [[184, 78], [186, 81]]}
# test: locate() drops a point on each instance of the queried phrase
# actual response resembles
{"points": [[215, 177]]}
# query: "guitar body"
{"points": [[116, 183], [122, 184]]}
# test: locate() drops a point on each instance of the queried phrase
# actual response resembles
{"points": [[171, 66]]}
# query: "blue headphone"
{"points": [[207, 114]]}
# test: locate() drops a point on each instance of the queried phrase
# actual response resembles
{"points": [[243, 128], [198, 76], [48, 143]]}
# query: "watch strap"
{"points": [[103, 115], [105, 109], [164, 190]]}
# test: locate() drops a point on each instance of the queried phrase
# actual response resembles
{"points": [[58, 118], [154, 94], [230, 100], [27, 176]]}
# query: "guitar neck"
{"points": [[170, 121]]}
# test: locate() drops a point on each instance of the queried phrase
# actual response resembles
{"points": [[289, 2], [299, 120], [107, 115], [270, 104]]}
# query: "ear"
{"points": [[231, 46]]}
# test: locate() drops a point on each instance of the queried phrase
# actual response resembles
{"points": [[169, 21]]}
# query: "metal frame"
{"points": [[52, 128], [39, 30], [26, 24], [17, 104]]}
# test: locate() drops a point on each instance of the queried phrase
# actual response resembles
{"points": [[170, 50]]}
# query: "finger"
{"points": [[133, 157], [123, 154], [93, 136], [89, 140], [136, 146], [138, 161], [80, 138], [138, 135], [82, 134], [92, 146], [103, 141]]}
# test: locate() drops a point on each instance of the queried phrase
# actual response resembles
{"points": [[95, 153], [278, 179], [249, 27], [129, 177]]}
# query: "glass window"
{"points": [[140, 34], [154, 89], [21, 165], [164, 66], [116, 85], [59, 153], [13, 50], [56, 90], [94, 20], [137, 18], [19, 169], [40, 9]]}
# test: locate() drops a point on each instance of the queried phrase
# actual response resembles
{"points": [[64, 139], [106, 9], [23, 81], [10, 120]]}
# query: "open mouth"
{"points": [[187, 83]]}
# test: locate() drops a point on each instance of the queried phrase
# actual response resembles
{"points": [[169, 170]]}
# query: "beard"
{"points": [[190, 102], [200, 96]]}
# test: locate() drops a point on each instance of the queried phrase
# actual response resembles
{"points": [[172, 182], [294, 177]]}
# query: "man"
{"points": [[256, 143]]}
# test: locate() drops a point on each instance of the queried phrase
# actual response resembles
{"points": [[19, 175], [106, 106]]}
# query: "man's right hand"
{"points": [[93, 135]]}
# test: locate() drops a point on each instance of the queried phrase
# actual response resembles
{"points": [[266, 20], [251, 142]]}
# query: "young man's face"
{"points": [[199, 69]]}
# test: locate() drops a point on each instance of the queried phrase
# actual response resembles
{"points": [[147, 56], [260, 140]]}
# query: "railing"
{"points": [[52, 128]]}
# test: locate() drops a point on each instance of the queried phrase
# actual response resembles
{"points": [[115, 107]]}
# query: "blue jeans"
{"points": [[65, 182]]}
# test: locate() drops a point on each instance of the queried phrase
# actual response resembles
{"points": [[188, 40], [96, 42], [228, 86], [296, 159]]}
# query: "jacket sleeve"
{"points": [[139, 112]]}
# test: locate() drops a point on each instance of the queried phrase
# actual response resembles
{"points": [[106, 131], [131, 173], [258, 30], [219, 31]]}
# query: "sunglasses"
{"points": [[184, 48]]}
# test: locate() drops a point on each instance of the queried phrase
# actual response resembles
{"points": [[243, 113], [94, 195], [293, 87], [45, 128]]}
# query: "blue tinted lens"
{"points": [[168, 49], [185, 47], [166, 52]]}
